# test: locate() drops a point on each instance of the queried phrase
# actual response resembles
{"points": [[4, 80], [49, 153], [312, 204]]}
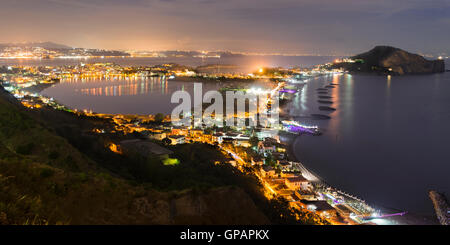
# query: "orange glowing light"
{"points": [[115, 148]]}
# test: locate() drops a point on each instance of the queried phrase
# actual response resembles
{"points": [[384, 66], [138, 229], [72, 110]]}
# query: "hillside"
{"points": [[46, 180], [54, 170], [46, 45], [390, 60]]}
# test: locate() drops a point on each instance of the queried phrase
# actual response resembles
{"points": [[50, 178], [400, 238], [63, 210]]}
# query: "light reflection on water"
{"points": [[133, 86], [131, 95], [386, 142]]}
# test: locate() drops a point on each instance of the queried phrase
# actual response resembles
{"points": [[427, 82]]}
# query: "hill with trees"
{"points": [[55, 170], [390, 60]]}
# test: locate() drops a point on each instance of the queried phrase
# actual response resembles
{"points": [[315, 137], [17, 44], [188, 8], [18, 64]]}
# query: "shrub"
{"points": [[25, 149], [46, 172], [53, 155]]}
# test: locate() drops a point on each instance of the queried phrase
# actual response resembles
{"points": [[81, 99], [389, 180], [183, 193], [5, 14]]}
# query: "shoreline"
{"points": [[409, 218], [291, 155]]}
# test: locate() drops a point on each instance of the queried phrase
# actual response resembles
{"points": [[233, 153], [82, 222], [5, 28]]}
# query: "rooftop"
{"points": [[320, 205], [145, 147]]}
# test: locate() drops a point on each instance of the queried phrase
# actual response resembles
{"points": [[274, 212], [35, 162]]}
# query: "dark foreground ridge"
{"points": [[46, 178], [55, 170], [390, 60]]}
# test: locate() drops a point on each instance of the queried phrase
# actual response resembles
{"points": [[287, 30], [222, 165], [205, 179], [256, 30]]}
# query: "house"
{"points": [[281, 148], [263, 134], [271, 140], [287, 174], [265, 148], [227, 140], [320, 207], [257, 160], [285, 193], [285, 165], [145, 148], [297, 182], [179, 131], [231, 135], [157, 135], [196, 133], [242, 142], [218, 137], [166, 126], [177, 139], [207, 138], [267, 171], [343, 210], [279, 156]]}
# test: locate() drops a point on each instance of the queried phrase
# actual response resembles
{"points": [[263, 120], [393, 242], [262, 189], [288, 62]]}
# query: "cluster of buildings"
{"points": [[50, 51], [268, 157], [258, 148]]}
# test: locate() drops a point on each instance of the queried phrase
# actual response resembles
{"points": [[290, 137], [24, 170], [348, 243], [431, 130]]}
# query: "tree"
{"points": [[254, 141], [159, 117], [208, 131], [270, 160], [166, 141]]}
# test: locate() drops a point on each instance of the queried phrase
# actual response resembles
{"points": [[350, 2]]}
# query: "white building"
{"points": [[157, 135], [297, 182], [177, 139]]}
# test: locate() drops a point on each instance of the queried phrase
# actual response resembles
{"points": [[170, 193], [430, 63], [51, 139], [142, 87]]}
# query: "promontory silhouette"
{"points": [[390, 60]]}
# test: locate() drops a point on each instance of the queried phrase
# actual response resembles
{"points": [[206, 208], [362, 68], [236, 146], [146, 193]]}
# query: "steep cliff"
{"points": [[44, 179]]}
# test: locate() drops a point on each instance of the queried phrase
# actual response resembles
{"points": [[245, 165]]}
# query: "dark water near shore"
{"points": [[388, 140]]}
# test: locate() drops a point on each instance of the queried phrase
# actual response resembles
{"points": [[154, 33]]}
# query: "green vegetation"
{"points": [[171, 162], [54, 170], [254, 141]]}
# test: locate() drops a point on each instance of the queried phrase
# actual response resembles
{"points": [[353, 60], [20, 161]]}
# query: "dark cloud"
{"points": [[291, 26]]}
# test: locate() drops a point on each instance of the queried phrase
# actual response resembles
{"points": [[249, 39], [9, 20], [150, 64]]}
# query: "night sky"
{"points": [[268, 26]]}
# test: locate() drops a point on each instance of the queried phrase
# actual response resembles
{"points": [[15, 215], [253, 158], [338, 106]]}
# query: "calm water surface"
{"points": [[124, 96], [388, 141]]}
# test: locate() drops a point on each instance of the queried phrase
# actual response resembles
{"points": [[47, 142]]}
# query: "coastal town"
{"points": [[256, 151], [213, 121]]}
